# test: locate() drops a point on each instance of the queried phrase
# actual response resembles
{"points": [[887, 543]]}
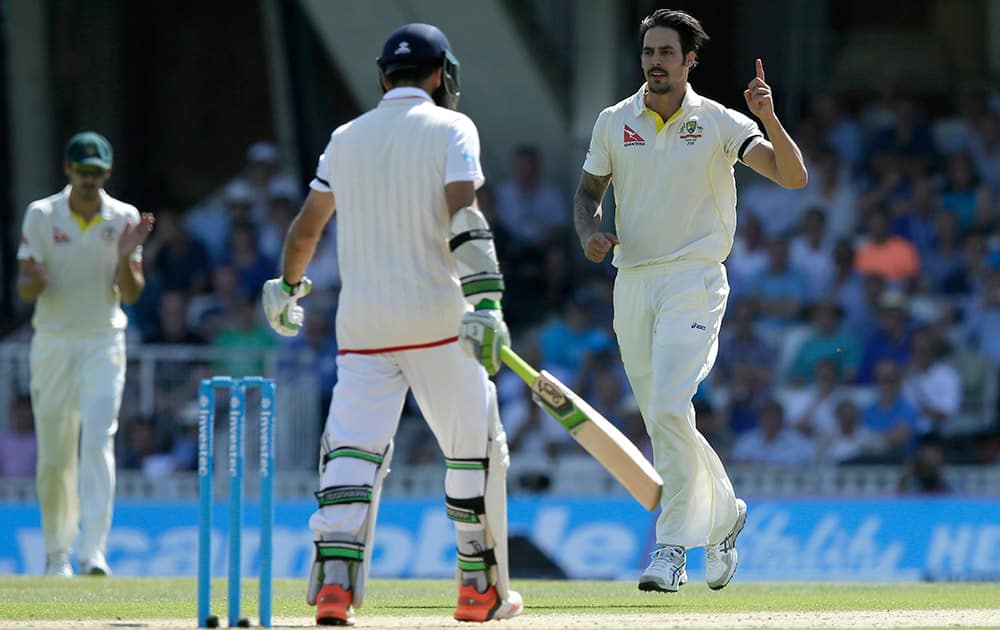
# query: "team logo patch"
{"points": [[59, 236], [403, 48], [108, 233], [690, 131], [632, 138]]}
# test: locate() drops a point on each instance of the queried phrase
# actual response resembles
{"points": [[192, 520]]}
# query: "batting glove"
{"points": [[482, 334], [281, 305]]}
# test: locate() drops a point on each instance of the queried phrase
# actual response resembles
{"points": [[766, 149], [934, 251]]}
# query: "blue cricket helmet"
{"points": [[419, 45]]}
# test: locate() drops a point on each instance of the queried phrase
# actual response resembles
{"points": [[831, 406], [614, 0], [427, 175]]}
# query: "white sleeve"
{"points": [[462, 162], [324, 169], [33, 235], [943, 390], [598, 161], [738, 134]]}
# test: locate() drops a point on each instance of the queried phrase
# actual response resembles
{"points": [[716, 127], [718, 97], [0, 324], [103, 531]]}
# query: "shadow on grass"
{"points": [[553, 607]]}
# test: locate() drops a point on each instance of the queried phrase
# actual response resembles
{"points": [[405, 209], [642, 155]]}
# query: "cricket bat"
{"points": [[592, 431]]}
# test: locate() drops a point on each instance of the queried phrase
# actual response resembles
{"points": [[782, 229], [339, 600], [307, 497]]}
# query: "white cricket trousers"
{"points": [[76, 392], [667, 320], [453, 393]]}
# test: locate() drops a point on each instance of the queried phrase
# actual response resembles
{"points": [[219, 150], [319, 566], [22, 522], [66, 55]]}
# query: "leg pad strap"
{"points": [[338, 495], [465, 510], [477, 562]]}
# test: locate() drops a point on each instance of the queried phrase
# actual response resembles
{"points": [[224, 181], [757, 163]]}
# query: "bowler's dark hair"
{"points": [[692, 35]]}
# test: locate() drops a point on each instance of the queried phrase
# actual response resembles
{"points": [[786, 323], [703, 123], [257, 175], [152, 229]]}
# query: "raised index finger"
{"points": [[760, 70]]}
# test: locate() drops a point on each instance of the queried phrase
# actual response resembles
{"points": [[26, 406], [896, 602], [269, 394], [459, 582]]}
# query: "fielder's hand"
{"points": [[598, 245], [135, 235], [281, 305], [482, 334], [758, 95]]}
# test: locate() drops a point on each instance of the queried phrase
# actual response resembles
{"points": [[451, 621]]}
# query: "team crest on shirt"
{"points": [[59, 236], [690, 131], [108, 233], [632, 138]]}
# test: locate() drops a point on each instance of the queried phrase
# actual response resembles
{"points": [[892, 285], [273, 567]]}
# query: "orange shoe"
{"points": [[333, 606], [476, 606]]}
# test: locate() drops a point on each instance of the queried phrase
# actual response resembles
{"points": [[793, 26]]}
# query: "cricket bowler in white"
{"points": [[419, 309], [80, 257], [670, 153]]}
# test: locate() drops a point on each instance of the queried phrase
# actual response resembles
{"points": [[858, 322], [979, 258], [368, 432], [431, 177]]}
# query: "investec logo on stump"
{"points": [[632, 138]]}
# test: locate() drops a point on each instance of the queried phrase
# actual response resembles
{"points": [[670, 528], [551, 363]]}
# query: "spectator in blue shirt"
{"points": [[851, 290], [915, 220], [780, 290], [891, 415], [811, 253], [891, 340], [740, 344], [252, 267], [840, 131], [828, 341], [566, 341], [908, 135], [945, 259], [181, 262], [961, 189], [772, 443]]}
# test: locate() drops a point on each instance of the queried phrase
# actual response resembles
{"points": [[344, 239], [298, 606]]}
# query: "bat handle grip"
{"points": [[527, 373]]}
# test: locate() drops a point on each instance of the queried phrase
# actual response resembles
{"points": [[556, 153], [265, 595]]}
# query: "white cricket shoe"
{"points": [[666, 571], [95, 565], [721, 558], [57, 564]]}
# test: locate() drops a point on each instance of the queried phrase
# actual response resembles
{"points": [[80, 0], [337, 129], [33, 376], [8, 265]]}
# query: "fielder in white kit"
{"points": [[421, 293], [670, 153], [80, 257]]}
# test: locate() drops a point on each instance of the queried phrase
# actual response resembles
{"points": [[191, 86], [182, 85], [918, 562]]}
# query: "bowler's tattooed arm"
{"points": [[587, 204]]}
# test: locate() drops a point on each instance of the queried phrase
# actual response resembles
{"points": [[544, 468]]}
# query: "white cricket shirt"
{"points": [[81, 298], [675, 194], [387, 170]]}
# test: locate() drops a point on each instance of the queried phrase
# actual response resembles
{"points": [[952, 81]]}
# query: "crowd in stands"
{"points": [[863, 324]]}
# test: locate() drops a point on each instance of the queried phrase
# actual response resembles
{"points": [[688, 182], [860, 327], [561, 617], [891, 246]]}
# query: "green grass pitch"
{"points": [[37, 602]]}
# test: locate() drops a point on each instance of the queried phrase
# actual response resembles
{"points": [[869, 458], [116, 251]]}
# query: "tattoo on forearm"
{"points": [[587, 201]]}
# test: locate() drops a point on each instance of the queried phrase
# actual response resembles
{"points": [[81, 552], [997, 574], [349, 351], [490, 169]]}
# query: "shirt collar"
{"points": [[690, 101], [104, 212], [406, 92]]}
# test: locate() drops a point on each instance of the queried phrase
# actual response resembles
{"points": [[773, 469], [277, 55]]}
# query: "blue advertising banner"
{"points": [[785, 539]]}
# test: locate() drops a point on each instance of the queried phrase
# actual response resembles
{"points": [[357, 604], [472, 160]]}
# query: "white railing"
{"points": [[161, 386], [573, 475]]}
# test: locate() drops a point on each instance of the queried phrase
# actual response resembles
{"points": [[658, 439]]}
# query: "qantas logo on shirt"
{"points": [[59, 236], [632, 138]]}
